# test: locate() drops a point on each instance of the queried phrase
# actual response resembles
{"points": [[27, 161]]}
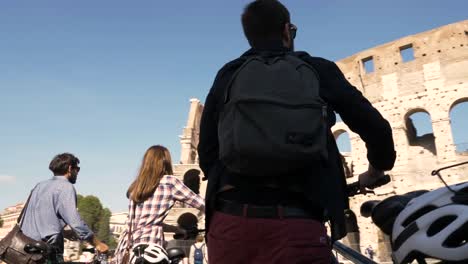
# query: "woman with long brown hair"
{"points": [[152, 194]]}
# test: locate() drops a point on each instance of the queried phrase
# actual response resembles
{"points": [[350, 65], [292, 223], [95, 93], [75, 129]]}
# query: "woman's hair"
{"points": [[156, 163]]}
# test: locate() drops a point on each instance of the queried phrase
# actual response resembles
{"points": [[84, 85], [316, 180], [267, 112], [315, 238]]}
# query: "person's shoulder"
{"points": [[230, 66], [63, 185], [168, 179], [312, 59]]}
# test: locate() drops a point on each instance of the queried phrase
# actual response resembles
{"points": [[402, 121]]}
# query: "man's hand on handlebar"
{"points": [[100, 246], [371, 179]]}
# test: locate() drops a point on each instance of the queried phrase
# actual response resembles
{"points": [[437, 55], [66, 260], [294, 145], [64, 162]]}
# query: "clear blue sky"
{"points": [[107, 79]]}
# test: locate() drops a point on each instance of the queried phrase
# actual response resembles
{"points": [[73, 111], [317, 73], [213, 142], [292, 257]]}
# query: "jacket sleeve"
{"points": [[358, 113], [208, 146], [184, 194], [67, 209]]}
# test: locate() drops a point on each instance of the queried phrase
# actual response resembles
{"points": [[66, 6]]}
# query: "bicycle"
{"points": [[172, 255], [349, 253], [425, 224], [98, 258], [176, 255]]}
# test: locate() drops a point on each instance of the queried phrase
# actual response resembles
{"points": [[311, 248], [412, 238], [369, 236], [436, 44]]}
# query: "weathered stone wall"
{"points": [[433, 82]]}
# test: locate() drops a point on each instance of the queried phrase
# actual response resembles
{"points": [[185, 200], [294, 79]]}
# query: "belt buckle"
{"points": [[280, 211]]}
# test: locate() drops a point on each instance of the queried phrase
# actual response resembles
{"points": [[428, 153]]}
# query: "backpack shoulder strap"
{"points": [[247, 60]]}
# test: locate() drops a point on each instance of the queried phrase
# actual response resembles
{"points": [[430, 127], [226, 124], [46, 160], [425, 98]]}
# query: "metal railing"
{"points": [[351, 254]]}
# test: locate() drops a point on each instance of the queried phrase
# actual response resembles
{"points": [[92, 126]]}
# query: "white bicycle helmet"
{"points": [[153, 254], [433, 225]]}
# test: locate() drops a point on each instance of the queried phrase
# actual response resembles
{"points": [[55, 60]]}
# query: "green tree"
{"points": [[96, 217], [104, 233]]}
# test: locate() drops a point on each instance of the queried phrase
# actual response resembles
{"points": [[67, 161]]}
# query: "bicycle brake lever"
{"points": [[355, 189], [382, 181], [369, 191]]}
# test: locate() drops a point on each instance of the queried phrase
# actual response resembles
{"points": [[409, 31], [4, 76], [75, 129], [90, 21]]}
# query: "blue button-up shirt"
{"points": [[53, 206]]}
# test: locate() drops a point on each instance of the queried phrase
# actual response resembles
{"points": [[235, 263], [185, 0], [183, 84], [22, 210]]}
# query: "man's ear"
{"points": [[286, 35]]}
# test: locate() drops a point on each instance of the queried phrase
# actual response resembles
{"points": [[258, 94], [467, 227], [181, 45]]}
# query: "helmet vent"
{"points": [[418, 214], [440, 224], [458, 238], [461, 196]]}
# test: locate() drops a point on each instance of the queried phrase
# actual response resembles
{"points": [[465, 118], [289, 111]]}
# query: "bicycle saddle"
{"points": [[175, 253]]}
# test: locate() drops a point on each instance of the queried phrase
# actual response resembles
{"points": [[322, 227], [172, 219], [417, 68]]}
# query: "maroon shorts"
{"points": [[243, 240]]}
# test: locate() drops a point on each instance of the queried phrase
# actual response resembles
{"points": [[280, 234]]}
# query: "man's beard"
{"points": [[72, 178]]}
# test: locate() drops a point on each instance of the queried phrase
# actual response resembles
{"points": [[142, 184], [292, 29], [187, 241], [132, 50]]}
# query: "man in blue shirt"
{"points": [[52, 206]]}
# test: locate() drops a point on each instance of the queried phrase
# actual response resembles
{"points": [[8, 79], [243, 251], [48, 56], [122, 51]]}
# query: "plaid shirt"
{"points": [[149, 215]]}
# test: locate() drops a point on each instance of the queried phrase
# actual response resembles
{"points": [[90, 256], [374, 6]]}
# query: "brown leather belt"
{"points": [[270, 211]]}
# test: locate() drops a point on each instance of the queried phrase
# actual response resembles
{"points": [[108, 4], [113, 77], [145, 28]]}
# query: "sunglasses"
{"points": [[77, 168], [292, 30]]}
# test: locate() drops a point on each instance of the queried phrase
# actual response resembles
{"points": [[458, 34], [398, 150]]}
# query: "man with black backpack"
{"points": [[274, 171]]}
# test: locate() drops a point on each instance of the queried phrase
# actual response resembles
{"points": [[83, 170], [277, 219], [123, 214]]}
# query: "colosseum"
{"points": [[426, 72]]}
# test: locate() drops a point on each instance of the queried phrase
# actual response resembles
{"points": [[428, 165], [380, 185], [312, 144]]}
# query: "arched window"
{"points": [[419, 130], [344, 146], [343, 141], [192, 180], [459, 124]]}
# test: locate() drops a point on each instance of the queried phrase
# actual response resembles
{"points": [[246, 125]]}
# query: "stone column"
{"points": [[189, 139], [445, 147]]}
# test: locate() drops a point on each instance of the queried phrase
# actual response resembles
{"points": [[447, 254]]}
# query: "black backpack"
{"points": [[273, 120]]}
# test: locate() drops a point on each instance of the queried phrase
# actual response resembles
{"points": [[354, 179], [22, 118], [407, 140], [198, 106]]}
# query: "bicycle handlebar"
{"points": [[355, 188], [189, 234]]}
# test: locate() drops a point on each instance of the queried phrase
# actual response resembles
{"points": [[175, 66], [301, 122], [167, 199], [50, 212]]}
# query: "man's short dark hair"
{"points": [[264, 20], [59, 165]]}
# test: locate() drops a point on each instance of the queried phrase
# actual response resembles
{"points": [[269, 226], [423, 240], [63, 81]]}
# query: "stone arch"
{"points": [[191, 178], [457, 102], [427, 140], [457, 119], [338, 133], [346, 156], [187, 221]]}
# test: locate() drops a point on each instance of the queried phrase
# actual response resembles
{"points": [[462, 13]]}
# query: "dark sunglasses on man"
{"points": [[292, 30]]}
